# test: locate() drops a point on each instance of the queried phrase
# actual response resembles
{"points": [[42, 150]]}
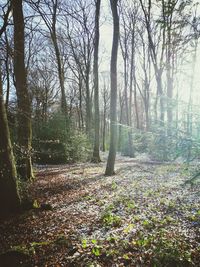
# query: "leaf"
{"points": [[36, 205], [129, 228], [96, 251], [84, 243]]}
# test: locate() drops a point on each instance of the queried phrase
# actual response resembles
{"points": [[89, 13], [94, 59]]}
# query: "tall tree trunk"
{"points": [[9, 195], [88, 120], [160, 94], [7, 71], [124, 49], [190, 103], [96, 156], [60, 73], [135, 101], [169, 50], [80, 84], [147, 91], [104, 131], [120, 119], [113, 98], [105, 101], [132, 79], [23, 101], [58, 57], [169, 100]]}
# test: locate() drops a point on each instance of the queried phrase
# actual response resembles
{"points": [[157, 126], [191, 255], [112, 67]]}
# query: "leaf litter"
{"points": [[142, 216]]}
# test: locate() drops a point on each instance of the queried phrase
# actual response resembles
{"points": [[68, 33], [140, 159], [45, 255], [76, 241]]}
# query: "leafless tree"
{"points": [[113, 95]]}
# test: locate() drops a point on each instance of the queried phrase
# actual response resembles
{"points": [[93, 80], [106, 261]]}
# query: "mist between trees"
{"points": [[60, 101]]}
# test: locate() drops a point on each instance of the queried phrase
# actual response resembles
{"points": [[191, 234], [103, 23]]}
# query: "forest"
{"points": [[99, 133]]}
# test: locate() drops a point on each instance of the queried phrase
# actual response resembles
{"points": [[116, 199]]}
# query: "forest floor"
{"points": [[142, 216]]}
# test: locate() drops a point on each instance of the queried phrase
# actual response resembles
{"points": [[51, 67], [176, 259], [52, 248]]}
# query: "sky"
{"points": [[106, 30]]}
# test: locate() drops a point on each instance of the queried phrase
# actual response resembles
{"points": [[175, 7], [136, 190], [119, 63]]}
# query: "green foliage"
{"points": [[113, 239], [126, 201], [129, 228], [109, 219], [171, 251], [92, 245], [84, 243], [114, 185], [161, 143], [96, 251], [38, 244], [142, 242], [142, 141], [36, 205], [55, 142], [146, 224], [124, 145]]}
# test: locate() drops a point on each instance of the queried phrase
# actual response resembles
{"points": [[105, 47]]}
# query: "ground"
{"points": [[144, 215]]}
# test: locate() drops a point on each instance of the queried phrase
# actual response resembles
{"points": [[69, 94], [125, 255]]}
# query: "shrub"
{"points": [[55, 142]]}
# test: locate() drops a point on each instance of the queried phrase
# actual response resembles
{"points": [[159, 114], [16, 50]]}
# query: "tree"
{"points": [[157, 59], [80, 40], [53, 9], [23, 101], [96, 156], [144, 88], [113, 96], [128, 41], [195, 40], [105, 99], [42, 85], [9, 195]]}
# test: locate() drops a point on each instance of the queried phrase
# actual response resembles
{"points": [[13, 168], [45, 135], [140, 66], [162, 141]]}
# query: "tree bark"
{"points": [[88, 121], [104, 131], [60, 73], [96, 156], [9, 195], [23, 101], [7, 72], [132, 79], [105, 108], [113, 99], [58, 58]]}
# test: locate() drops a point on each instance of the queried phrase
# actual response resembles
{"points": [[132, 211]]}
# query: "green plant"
{"points": [[112, 252], [84, 243], [129, 228], [55, 141], [38, 244], [36, 205], [95, 248], [96, 251], [136, 218], [130, 204], [113, 239], [171, 251], [110, 219], [114, 185]]}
